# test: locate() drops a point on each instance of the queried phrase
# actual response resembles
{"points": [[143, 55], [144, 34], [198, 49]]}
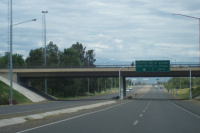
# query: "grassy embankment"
{"points": [[5, 94], [185, 93], [114, 90]]}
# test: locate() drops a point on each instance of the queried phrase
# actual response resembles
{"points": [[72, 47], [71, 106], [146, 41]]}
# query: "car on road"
{"points": [[127, 90]]}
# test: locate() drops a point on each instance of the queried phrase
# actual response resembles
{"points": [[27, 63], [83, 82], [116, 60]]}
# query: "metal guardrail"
{"points": [[94, 66]]}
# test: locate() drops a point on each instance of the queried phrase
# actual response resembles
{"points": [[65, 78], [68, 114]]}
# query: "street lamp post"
{"points": [[11, 34], [45, 50], [120, 92], [199, 28], [11, 43]]}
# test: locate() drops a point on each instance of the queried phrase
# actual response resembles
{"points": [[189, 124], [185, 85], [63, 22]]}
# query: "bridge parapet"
{"points": [[100, 72]]}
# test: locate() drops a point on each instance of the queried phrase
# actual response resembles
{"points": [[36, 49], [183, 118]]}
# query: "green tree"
{"points": [[69, 57], [36, 58], [53, 54], [81, 51], [1, 62], [17, 60], [90, 57], [197, 81]]}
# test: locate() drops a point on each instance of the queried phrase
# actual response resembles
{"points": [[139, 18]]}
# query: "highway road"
{"points": [[151, 113], [20, 109]]}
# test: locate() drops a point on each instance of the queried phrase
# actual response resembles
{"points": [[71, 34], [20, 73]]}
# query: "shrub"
{"points": [[196, 91], [14, 101]]}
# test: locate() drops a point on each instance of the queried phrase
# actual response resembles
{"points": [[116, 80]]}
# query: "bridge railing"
{"points": [[91, 66]]}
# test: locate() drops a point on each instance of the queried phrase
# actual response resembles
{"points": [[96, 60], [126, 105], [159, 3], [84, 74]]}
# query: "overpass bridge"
{"points": [[97, 72], [19, 73]]}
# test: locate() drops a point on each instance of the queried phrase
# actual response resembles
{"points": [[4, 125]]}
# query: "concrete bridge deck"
{"points": [[99, 72]]}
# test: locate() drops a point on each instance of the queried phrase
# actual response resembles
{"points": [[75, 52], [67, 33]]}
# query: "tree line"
{"points": [[184, 82], [74, 56]]}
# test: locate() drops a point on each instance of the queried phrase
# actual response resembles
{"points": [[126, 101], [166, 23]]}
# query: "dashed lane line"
{"points": [[135, 123]]}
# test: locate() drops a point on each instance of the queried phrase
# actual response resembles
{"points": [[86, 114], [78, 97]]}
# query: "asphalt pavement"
{"points": [[151, 113], [54, 105]]}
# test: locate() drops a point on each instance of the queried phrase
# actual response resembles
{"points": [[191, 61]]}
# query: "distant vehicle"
{"points": [[127, 90], [156, 86], [130, 88]]}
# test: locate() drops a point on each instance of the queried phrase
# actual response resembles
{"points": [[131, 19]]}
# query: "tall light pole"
{"points": [[199, 28], [11, 34], [11, 43], [45, 50]]}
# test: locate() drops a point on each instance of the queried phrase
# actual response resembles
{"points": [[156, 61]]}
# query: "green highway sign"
{"points": [[153, 66]]}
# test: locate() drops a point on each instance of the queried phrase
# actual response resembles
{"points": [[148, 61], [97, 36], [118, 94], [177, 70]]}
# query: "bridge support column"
{"points": [[122, 88]]}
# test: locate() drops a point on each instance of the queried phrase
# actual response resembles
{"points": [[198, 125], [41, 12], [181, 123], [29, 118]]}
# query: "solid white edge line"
{"points": [[180, 107], [72, 118], [185, 110]]}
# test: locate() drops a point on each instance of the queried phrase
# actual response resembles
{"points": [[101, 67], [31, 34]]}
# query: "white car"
{"points": [[127, 90]]}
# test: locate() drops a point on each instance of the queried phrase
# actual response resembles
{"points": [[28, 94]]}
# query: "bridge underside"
{"points": [[107, 74], [19, 74]]}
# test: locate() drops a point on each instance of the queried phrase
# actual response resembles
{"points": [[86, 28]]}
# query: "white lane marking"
{"points": [[185, 109], [72, 118], [141, 115], [76, 116], [180, 106], [135, 123], [143, 110]]}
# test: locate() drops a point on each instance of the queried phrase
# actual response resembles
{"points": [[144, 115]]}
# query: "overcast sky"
{"points": [[117, 30]]}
